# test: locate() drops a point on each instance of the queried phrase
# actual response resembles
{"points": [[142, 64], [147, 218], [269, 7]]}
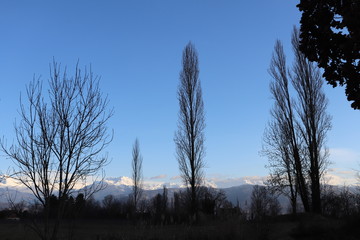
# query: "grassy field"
{"points": [[280, 228]]}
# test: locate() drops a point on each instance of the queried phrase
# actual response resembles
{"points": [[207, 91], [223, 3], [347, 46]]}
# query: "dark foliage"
{"points": [[340, 203], [162, 209], [330, 36], [166, 218]]}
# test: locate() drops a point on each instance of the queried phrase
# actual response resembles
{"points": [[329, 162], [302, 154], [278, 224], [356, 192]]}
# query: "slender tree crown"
{"points": [[137, 176], [282, 142], [295, 138], [189, 138]]}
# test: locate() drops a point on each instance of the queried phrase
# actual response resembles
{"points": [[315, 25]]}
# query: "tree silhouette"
{"points": [[137, 178], [330, 36], [314, 122], [59, 141], [263, 203], [189, 138], [301, 122], [283, 141], [281, 164]]}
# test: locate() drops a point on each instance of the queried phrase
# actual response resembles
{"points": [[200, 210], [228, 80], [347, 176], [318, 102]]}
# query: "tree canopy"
{"points": [[330, 36]]}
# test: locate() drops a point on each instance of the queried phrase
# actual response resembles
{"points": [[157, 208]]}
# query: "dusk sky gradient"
{"points": [[136, 48]]}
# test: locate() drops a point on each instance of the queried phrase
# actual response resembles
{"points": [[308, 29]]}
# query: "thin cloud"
{"points": [[162, 176], [175, 178], [339, 176]]}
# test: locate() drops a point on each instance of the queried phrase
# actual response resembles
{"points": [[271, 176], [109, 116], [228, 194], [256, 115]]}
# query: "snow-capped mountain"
{"points": [[228, 182], [147, 184], [121, 187], [10, 183], [12, 191]]}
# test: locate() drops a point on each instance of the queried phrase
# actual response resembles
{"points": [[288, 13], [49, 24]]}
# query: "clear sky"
{"points": [[136, 47]]}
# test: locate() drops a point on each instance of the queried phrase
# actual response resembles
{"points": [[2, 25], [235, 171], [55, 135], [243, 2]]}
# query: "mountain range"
{"points": [[121, 187]]}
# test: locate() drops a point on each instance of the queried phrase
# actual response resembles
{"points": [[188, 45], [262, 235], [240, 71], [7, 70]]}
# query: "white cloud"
{"points": [[340, 176]]}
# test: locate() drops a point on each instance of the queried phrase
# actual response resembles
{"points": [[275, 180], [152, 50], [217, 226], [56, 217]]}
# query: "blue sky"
{"points": [[136, 47]]}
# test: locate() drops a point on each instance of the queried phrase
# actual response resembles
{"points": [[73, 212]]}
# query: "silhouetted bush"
{"points": [[263, 203], [340, 203]]}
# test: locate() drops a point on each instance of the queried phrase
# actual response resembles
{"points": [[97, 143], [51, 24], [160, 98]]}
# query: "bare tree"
{"points": [[283, 141], [59, 140], [263, 203], [282, 179], [15, 204], [189, 138], [314, 122], [137, 176], [295, 139]]}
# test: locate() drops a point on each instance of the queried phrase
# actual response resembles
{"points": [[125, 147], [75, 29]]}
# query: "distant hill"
{"points": [[121, 187]]}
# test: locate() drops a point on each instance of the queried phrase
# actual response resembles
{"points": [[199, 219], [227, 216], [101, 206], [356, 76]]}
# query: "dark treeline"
{"points": [[160, 209], [166, 209]]}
